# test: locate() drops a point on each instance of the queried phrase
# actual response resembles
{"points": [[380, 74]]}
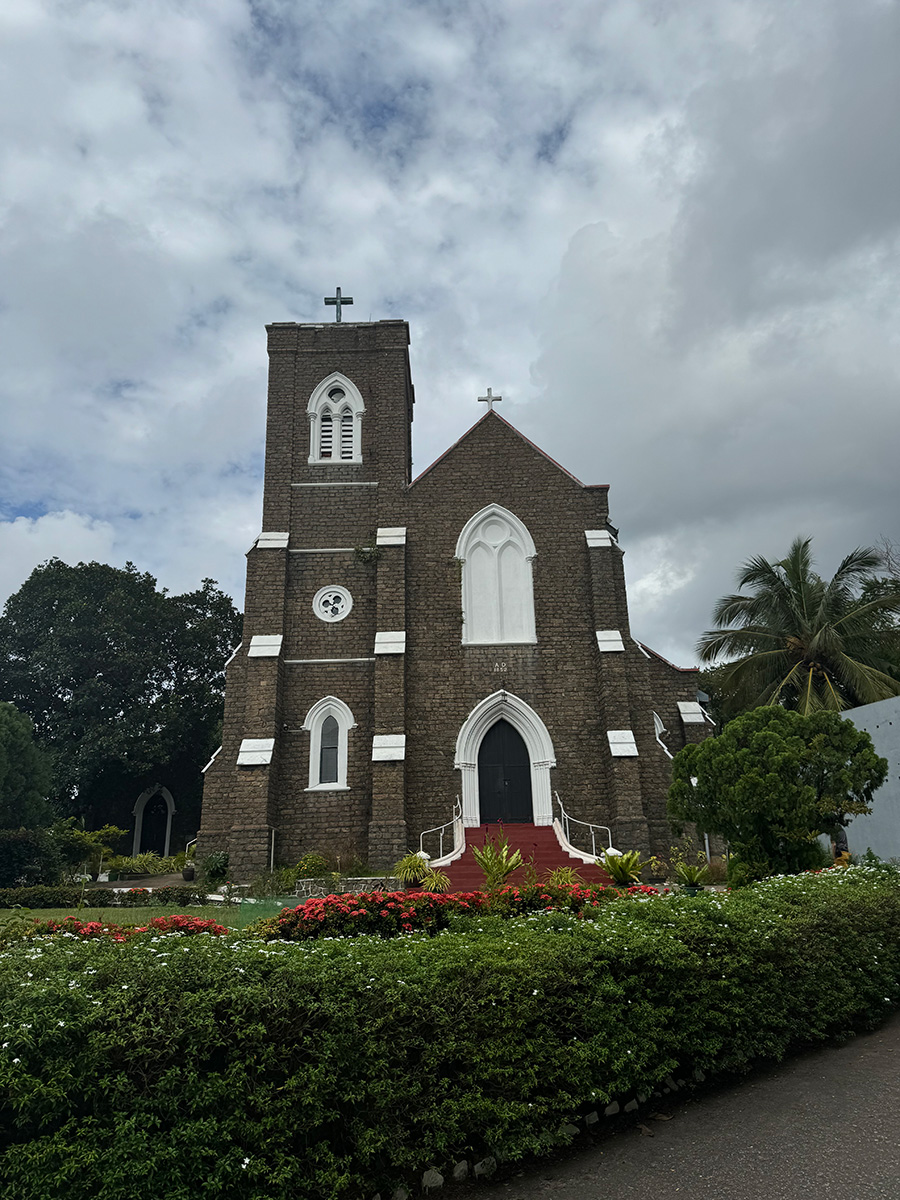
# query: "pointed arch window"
{"points": [[496, 552], [335, 412], [328, 723]]}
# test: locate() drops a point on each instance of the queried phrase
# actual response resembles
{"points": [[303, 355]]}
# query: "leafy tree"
{"points": [[803, 642], [123, 682], [24, 773], [773, 781]]}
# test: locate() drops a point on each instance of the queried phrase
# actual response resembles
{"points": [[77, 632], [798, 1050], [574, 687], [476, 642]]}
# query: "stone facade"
{"points": [[414, 690]]}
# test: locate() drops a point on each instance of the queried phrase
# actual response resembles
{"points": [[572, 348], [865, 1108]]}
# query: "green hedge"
{"points": [[71, 897], [214, 1067]]}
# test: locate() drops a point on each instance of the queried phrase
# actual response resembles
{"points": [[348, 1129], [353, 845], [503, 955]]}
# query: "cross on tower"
{"points": [[337, 300], [490, 400]]}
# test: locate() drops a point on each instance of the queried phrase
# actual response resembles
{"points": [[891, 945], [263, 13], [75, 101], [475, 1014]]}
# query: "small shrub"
{"points": [[215, 867], [312, 866]]}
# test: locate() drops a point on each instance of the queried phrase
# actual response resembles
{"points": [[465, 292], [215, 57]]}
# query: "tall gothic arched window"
{"points": [[496, 552], [335, 412], [328, 723]]}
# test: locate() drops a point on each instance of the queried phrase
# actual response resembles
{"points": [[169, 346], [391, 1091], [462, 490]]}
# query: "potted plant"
{"points": [[692, 877], [624, 869]]}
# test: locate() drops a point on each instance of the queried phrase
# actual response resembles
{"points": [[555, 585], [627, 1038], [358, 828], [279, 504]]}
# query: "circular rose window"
{"points": [[332, 603]]}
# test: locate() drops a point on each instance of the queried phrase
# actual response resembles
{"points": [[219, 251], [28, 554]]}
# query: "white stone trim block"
{"points": [[272, 541], [265, 645], [622, 743], [391, 535], [390, 643], [203, 770], [599, 537], [609, 639], [691, 712], [388, 747], [255, 752]]}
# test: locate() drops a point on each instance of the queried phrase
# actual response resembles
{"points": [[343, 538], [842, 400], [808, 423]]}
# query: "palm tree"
{"points": [[802, 642]]}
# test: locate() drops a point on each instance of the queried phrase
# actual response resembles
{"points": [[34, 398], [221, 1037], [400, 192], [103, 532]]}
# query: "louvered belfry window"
{"points": [[326, 435], [347, 434], [335, 412]]}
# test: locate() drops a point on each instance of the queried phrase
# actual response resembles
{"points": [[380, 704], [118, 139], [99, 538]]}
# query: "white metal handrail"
{"points": [[454, 825], [566, 822]]}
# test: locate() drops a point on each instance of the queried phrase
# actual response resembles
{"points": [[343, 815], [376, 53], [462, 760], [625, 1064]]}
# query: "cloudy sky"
{"points": [[666, 231]]}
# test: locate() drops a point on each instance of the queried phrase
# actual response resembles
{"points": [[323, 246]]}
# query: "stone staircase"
{"points": [[533, 841]]}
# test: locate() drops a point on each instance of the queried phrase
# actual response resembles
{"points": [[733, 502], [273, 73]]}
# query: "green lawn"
{"points": [[235, 916]]}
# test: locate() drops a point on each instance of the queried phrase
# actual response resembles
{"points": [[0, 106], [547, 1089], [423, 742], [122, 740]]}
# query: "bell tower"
{"points": [[319, 680]]}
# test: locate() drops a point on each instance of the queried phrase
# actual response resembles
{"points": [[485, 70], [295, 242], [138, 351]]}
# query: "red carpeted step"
{"points": [[537, 843]]}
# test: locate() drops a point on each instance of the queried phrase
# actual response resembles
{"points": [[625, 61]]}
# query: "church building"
{"points": [[452, 650]]}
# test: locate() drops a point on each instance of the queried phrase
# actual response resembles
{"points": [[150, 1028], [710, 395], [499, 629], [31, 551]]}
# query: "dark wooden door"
{"points": [[504, 776]]}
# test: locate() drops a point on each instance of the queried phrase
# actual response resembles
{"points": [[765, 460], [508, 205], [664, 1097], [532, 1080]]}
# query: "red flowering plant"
{"points": [[386, 914], [121, 933]]}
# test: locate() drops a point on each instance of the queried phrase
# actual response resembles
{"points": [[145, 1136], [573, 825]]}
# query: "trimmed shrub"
{"points": [[27, 857], [229, 1066], [72, 897]]}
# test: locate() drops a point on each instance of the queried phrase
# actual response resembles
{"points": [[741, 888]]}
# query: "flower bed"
{"points": [[175, 923], [388, 914]]}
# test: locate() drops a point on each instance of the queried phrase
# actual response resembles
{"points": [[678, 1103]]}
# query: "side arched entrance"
{"points": [[153, 814], [504, 754]]}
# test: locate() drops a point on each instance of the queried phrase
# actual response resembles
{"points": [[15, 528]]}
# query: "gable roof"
{"points": [[601, 487]]}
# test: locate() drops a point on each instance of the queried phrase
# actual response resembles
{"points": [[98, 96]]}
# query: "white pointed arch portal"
{"points": [[506, 707], [496, 551], [335, 412], [138, 813], [328, 773]]}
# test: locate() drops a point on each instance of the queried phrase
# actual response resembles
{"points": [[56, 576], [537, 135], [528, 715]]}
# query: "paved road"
{"points": [[824, 1126]]}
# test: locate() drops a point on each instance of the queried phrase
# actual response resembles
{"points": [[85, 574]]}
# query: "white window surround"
{"points": [[388, 747], [328, 706], [691, 712], [660, 729], [255, 752], [138, 813], [599, 537], [390, 643], [622, 743], [265, 645], [332, 603], [391, 535], [496, 551], [320, 403], [507, 707], [272, 541], [609, 639]]}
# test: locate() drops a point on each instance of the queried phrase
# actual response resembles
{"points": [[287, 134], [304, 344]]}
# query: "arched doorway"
{"points": [[504, 776], [153, 814], [506, 707]]}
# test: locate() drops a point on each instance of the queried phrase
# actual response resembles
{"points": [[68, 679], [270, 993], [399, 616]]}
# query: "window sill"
{"points": [[328, 787]]}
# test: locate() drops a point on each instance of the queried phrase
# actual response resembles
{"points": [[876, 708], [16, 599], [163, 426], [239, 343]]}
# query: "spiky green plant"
{"points": [[496, 861]]}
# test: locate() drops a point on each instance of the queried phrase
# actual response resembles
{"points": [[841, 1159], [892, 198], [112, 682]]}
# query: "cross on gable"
{"points": [[337, 300], [490, 400]]}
